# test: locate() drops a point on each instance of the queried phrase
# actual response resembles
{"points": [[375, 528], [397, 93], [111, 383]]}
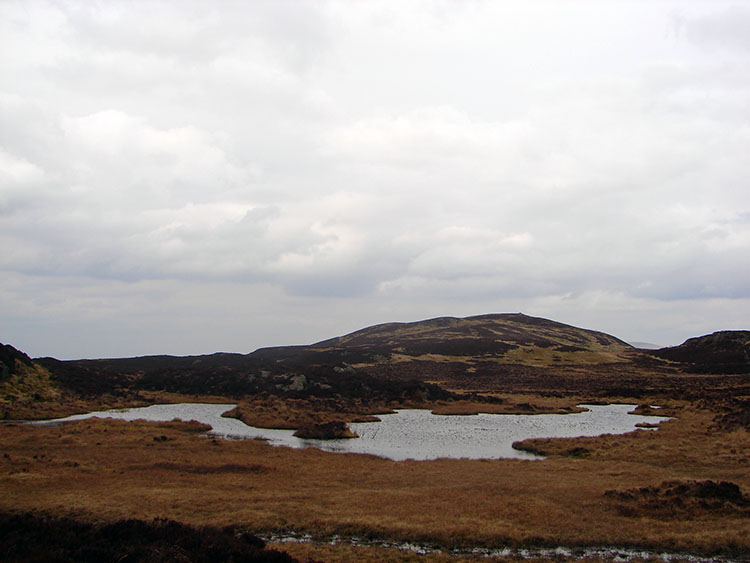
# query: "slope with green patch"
{"points": [[23, 383]]}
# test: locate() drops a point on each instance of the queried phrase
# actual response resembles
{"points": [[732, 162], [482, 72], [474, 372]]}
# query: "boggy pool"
{"points": [[409, 433]]}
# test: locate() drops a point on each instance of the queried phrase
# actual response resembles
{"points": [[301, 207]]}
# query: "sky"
{"points": [[189, 177]]}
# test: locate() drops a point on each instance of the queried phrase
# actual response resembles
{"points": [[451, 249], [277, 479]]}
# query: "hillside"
{"points": [[726, 351]]}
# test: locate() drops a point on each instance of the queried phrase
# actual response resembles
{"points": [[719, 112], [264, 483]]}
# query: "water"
{"points": [[410, 433], [606, 553]]}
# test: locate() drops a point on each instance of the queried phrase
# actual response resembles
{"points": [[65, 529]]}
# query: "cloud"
{"points": [[17, 171], [182, 160], [425, 159]]}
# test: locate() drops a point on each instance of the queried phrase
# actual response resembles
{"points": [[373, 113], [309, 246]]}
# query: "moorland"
{"points": [[684, 488]]}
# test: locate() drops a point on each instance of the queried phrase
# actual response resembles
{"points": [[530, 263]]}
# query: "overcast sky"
{"points": [[190, 177]]}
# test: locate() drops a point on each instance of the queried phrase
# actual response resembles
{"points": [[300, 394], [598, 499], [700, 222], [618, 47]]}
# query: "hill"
{"points": [[513, 338]]}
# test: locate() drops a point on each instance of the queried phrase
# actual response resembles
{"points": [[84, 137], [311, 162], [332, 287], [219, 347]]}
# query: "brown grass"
{"points": [[107, 470], [510, 404]]}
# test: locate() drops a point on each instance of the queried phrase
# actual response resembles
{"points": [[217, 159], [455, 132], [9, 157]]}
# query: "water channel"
{"points": [[409, 433]]}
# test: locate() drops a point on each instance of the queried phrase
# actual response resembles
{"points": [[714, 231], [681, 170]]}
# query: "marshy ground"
{"points": [[108, 470]]}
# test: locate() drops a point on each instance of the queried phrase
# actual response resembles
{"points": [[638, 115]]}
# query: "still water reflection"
{"points": [[411, 433]]}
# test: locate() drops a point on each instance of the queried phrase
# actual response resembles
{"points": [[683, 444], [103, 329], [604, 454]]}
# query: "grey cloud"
{"points": [[724, 29]]}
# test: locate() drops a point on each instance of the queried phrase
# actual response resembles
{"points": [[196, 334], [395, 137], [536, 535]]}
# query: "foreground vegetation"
{"points": [[27, 538]]}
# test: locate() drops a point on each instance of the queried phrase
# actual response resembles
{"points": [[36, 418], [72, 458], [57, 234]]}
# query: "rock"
{"points": [[334, 430], [298, 383]]}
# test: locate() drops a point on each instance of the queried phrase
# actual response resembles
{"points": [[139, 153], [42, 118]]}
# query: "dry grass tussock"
{"points": [[107, 470], [682, 499]]}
